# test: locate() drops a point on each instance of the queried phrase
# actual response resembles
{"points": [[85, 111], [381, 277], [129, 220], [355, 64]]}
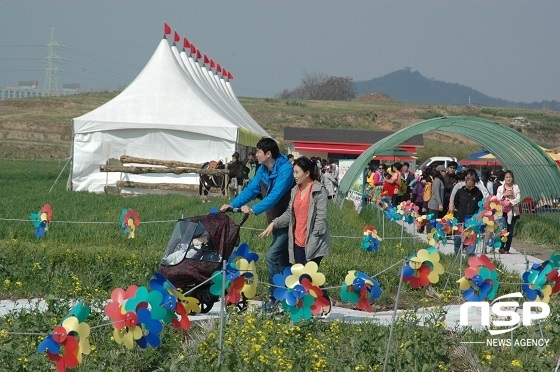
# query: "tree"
{"points": [[322, 87]]}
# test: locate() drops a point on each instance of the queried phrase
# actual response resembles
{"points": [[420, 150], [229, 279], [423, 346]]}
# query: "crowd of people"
{"points": [[294, 195], [440, 191]]}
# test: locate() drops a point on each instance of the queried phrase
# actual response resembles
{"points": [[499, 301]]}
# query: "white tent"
{"points": [[163, 114]]}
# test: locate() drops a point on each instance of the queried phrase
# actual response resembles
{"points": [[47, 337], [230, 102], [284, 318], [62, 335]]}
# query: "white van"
{"points": [[433, 162]]}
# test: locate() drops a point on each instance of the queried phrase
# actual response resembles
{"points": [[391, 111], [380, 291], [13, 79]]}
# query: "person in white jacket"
{"points": [[510, 196]]}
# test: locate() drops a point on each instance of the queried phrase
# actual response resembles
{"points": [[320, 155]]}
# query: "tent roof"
{"points": [[160, 97]]}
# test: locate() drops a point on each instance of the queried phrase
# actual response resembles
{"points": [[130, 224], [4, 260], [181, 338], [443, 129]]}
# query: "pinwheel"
{"points": [[151, 328], [555, 260], [383, 201], [125, 323], [473, 230], [130, 220], [68, 341], [371, 239], [360, 289], [495, 241], [392, 213], [241, 278], [298, 289], [541, 282], [114, 308], [408, 210], [144, 298], [423, 268], [424, 219], [41, 220], [449, 223], [437, 235], [480, 280], [176, 310], [245, 262]]}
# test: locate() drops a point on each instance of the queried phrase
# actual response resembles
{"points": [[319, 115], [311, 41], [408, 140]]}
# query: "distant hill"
{"points": [[412, 87]]}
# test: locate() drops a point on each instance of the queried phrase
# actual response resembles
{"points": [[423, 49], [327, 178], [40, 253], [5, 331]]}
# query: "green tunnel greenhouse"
{"points": [[535, 172]]}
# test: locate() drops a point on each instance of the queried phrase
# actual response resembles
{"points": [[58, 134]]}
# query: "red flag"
{"points": [[166, 29], [212, 64], [176, 38], [186, 44], [229, 76], [198, 54], [206, 60], [218, 68], [224, 73], [193, 50]]}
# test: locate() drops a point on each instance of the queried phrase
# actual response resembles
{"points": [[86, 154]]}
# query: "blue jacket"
{"points": [[274, 186]]}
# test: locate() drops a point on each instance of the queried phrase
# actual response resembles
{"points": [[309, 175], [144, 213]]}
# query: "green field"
{"points": [[85, 256]]}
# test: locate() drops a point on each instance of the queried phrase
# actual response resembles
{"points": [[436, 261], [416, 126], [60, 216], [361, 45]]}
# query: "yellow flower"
{"points": [[516, 363], [19, 284]]}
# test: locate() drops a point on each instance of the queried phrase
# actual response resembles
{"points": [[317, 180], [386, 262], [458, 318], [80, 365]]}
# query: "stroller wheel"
{"points": [[205, 307], [241, 306]]}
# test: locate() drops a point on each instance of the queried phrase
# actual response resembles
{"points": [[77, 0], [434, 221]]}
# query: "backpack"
{"points": [[402, 186], [427, 191]]}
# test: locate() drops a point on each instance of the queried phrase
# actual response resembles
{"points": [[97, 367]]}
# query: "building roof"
{"points": [[292, 134]]}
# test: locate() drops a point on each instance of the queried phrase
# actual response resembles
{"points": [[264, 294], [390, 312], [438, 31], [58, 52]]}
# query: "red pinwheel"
{"points": [[113, 309]]}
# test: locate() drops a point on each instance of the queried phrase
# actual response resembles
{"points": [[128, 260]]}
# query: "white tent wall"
{"points": [[159, 107], [97, 147]]}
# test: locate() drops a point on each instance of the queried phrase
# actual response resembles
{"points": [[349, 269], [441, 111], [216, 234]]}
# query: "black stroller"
{"points": [[196, 249]]}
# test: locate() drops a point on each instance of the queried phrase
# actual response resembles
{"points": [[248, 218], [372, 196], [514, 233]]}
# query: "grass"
{"points": [[86, 261]]}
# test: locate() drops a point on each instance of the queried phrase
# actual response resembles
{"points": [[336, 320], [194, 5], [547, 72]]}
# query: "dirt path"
{"points": [[535, 250]]}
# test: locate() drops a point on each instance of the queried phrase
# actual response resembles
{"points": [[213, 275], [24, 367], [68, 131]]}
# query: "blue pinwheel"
{"points": [[279, 281], [152, 328], [244, 251]]}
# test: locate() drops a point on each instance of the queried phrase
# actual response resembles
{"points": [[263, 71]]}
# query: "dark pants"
{"points": [[510, 227], [277, 254], [299, 256]]}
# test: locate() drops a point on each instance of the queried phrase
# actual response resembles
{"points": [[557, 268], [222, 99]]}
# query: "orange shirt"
{"points": [[301, 213]]}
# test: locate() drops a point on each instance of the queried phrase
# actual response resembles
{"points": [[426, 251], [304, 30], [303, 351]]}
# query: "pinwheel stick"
{"points": [[393, 320]]}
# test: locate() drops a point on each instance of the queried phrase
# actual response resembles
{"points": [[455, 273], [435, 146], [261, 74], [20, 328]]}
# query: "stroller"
{"points": [[196, 249]]}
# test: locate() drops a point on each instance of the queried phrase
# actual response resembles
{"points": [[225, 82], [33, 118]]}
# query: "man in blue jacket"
{"points": [[274, 180]]}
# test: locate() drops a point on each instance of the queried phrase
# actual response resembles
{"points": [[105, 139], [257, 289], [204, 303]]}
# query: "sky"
{"points": [[506, 49]]}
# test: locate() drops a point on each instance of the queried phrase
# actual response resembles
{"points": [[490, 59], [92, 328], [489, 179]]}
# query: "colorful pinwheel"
{"points": [[66, 344], [360, 289], [480, 280], [383, 201], [130, 220], [371, 239], [437, 235], [423, 268], [424, 219], [41, 220], [450, 224], [541, 282], [298, 289], [408, 210], [241, 276], [392, 213], [176, 310]]}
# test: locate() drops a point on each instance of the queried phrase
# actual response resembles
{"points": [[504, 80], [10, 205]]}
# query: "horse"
{"points": [[210, 180]]}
